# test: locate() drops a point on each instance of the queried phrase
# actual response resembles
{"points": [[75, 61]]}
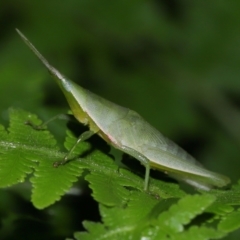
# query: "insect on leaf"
{"points": [[128, 131]]}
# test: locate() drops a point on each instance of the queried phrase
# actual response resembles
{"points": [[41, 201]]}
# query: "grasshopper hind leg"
{"points": [[143, 161], [147, 173]]}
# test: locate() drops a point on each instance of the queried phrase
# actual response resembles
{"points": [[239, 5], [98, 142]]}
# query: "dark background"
{"points": [[174, 62]]}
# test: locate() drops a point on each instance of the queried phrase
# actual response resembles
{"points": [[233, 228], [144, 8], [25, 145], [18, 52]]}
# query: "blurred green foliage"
{"points": [[174, 62]]}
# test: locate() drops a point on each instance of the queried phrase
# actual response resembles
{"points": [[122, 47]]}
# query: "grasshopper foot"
{"points": [[36, 127], [58, 163]]}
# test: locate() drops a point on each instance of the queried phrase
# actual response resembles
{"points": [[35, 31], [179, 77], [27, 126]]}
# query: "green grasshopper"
{"points": [[128, 131]]}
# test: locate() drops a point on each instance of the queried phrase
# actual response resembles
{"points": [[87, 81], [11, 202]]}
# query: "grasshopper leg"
{"points": [[147, 173], [68, 117], [142, 159], [84, 136]]}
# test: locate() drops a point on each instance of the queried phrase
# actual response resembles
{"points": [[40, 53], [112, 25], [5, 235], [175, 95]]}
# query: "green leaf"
{"points": [[231, 222], [139, 207], [230, 197], [50, 183], [96, 230], [25, 150], [145, 216], [125, 221], [220, 208], [198, 233], [184, 211], [22, 147], [106, 189]]}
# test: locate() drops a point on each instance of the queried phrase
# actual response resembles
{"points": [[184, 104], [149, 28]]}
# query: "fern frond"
{"points": [[21, 148]]}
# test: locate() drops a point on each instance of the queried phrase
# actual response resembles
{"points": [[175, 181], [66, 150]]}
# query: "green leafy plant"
{"points": [[127, 212]]}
